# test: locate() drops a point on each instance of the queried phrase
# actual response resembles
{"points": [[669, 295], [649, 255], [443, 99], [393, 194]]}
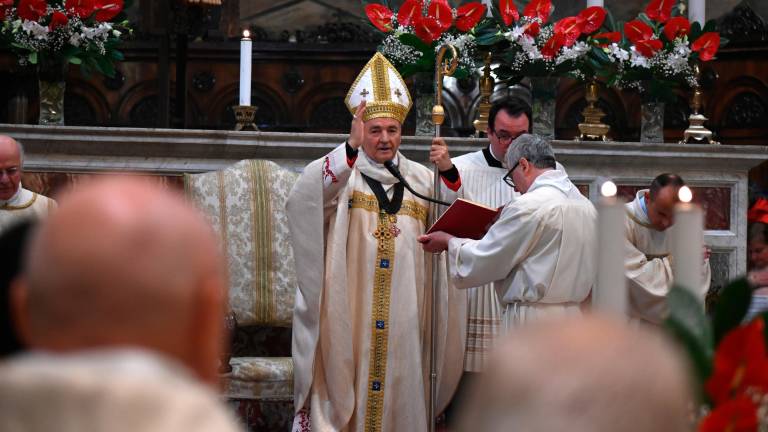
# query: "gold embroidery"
{"points": [[409, 208], [261, 237], [27, 204]]}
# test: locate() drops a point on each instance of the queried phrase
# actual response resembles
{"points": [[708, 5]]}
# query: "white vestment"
{"points": [[484, 184], [540, 252], [106, 391], [362, 314], [648, 266], [25, 204]]}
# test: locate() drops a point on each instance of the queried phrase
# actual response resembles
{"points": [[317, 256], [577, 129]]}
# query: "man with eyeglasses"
{"points": [[17, 203], [540, 253]]}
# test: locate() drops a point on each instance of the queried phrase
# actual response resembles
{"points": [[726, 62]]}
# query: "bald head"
{"points": [[11, 158], [123, 263], [581, 375]]}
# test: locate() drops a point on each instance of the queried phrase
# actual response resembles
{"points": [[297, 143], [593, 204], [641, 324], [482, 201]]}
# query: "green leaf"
{"points": [[32, 57], [695, 31], [117, 55], [413, 40], [710, 26], [731, 307], [75, 60], [610, 22]]}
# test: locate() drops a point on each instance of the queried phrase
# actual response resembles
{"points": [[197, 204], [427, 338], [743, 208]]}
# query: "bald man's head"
{"points": [[581, 375], [125, 263], [11, 156]]}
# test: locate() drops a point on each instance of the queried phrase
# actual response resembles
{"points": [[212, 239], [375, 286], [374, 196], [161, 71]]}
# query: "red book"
{"points": [[466, 219]]}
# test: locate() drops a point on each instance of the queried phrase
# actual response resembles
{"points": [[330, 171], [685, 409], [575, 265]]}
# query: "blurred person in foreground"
{"points": [[757, 253], [121, 304], [13, 242], [581, 375]]}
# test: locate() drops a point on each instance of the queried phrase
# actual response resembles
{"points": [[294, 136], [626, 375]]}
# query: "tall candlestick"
{"points": [[591, 3], [696, 12], [610, 295], [688, 243], [246, 50]]}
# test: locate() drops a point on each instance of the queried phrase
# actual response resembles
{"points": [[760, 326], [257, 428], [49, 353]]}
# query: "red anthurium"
{"points": [[677, 27], [553, 45], [706, 45], [442, 13], [4, 6], [740, 363], [659, 10], [569, 27], [532, 29], [31, 10], [648, 47], [538, 9], [58, 19], [409, 11], [593, 18], [427, 28], [468, 15], [636, 30], [81, 8], [108, 9], [607, 38], [380, 16], [737, 415], [508, 12]]}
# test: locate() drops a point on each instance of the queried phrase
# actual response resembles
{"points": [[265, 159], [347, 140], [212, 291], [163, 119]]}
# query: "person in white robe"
{"points": [[540, 252], [648, 263], [17, 203], [362, 314]]}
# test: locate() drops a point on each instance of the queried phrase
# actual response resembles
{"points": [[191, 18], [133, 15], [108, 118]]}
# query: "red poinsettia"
{"points": [[81, 8], [553, 45], [31, 10], [468, 15], [737, 415], [636, 30], [538, 9], [570, 28], [676, 27], [508, 12], [108, 9], [593, 17], [607, 38], [648, 47], [659, 10], [409, 11], [740, 363], [706, 45], [58, 19], [380, 16], [4, 6]]}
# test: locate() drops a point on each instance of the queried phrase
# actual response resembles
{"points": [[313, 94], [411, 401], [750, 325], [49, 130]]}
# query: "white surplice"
{"points": [[647, 266], [540, 253], [24, 204], [362, 311]]}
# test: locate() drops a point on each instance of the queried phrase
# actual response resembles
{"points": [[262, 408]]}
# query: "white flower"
{"points": [[620, 54], [35, 29], [638, 59], [579, 49], [74, 40], [116, 33]]}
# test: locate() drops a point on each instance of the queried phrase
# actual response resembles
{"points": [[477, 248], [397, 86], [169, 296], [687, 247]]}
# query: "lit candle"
{"points": [[688, 242], [610, 295], [591, 3], [696, 11], [246, 50]]}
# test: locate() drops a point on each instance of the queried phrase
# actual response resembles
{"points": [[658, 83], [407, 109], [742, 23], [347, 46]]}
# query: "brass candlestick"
{"points": [[245, 116], [593, 128], [487, 83], [696, 131]]}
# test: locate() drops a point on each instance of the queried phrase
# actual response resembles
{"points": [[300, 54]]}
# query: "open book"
{"points": [[466, 219]]}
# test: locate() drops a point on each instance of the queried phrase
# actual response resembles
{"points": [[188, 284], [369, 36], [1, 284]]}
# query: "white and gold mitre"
{"points": [[383, 89]]}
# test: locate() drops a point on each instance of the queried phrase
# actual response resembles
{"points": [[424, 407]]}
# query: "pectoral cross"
{"points": [[387, 228]]}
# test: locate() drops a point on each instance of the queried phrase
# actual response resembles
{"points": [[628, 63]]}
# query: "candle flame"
{"points": [[608, 189], [246, 34], [685, 194]]}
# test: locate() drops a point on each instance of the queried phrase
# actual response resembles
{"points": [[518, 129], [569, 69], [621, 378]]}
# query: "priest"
{"points": [[362, 314]]}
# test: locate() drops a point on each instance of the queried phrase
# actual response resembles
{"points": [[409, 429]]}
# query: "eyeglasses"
{"points": [[504, 137], [508, 177]]}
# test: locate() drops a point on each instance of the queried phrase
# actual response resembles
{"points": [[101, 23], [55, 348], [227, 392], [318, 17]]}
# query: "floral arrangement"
{"points": [[416, 32], [729, 358], [82, 32]]}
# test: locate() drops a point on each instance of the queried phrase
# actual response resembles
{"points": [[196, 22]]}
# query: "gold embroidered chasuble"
{"points": [[25, 204], [362, 322]]}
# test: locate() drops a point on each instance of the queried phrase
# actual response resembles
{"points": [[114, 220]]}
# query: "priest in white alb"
{"points": [[540, 253], [362, 313]]}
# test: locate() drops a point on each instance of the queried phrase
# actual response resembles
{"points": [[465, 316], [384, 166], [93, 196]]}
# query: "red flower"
{"points": [[607, 38], [441, 12], [409, 12], [659, 10], [508, 12], [31, 10], [81, 8], [532, 29], [636, 30], [427, 28], [593, 18], [4, 6], [553, 45], [706, 45], [737, 415], [538, 9], [648, 47], [468, 15], [108, 9], [676, 27], [740, 363], [570, 28], [380, 16], [58, 19]]}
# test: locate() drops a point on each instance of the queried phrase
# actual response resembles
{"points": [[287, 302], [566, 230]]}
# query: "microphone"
{"points": [[395, 172]]}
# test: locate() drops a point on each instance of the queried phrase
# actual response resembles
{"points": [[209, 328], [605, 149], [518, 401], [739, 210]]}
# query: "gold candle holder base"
{"points": [[487, 83], [696, 132], [593, 128], [245, 116]]}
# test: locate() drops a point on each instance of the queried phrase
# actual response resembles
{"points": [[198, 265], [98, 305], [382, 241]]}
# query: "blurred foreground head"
{"points": [[581, 375], [125, 264]]}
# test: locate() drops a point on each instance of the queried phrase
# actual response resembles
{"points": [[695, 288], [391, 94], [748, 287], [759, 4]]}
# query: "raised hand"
{"points": [[357, 130]]}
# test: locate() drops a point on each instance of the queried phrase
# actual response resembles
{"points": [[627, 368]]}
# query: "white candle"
{"points": [[591, 3], [610, 295], [246, 50], [688, 243], [488, 6], [696, 11]]}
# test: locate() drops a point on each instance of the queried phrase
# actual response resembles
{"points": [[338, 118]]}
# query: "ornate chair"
{"points": [[246, 205]]}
